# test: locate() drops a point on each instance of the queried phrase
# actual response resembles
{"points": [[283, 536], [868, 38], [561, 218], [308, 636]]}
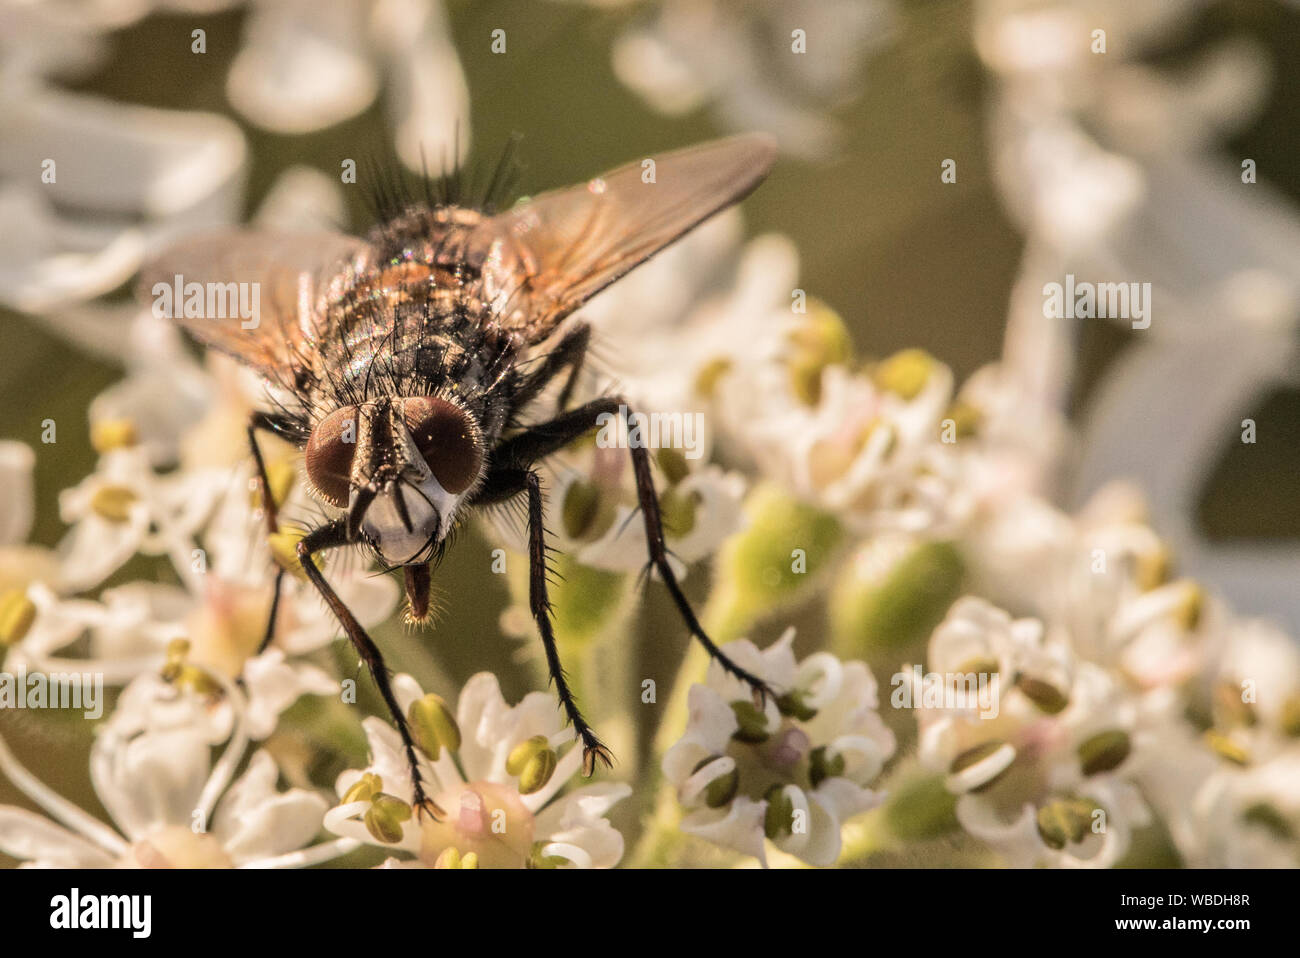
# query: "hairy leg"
{"points": [[514, 458], [333, 536], [266, 422]]}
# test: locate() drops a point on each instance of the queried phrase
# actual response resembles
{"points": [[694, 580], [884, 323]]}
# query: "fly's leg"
{"points": [[569, 352], [540, 605], [516, 456], [332, 536], [260, 420]]}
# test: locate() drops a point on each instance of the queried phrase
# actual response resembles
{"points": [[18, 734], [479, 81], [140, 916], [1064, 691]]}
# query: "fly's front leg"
{"points": [[540, 605], [332, 536], [654, 533], [516, 455], [568, 353], [263, 421]]}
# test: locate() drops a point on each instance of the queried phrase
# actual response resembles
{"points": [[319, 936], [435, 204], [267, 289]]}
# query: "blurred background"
{"points": [[1125, 164]]}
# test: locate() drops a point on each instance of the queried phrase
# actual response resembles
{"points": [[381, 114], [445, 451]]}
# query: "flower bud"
{"points": [[1043, 694], [823, 765], [17, 613], [385, 816], [778, 820], [109, 434], [113, 502], [537, 771], [284, 549], [1104, 752], [905, 373], [364, 789], [523, 753], [1064, 822], [751, 722], [433, 726]]}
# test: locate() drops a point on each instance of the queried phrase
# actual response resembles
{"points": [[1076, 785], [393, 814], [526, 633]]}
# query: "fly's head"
{"points": [[400, 467]]}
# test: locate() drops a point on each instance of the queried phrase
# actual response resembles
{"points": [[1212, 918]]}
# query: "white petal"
{"points": [[303, 66], [33, 838]]}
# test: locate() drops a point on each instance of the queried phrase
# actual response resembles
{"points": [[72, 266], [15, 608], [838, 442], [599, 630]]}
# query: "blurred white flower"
{"points": [[496, 773], [744, 63], [89, 187], [304, 67], [792, 772], [170, 805], [1046, 777]]}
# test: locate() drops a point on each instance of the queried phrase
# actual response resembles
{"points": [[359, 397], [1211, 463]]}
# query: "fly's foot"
{"points": [[594, 750]]}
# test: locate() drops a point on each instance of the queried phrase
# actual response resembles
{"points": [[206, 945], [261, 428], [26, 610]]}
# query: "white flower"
{"points": [[497, 784], [127, 178], [20, 564], [304, 67], [1250, 818], [1047, 777], [171, 806], [792, 772], [741, 62]]}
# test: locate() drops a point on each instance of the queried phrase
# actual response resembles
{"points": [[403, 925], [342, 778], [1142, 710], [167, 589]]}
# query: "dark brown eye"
{"points": [[447, 438], [329, 453]]}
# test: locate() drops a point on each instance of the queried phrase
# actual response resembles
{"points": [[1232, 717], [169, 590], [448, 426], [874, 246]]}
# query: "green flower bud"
{"points": [[385, 816], [364, 789], [774, 561], [965, 417], [905, 373], [450, 857], [672, 462], [709, 375], [113, 502], [793, 705], [1290, 718], [1064, 822], [1104, 752], [109, 434], [779, 818], [538, 859], [1226, 748], [921, 808], [17, 613], [678, 512], [752, 722], [1269, 818], [820, 340], [581, 506], [823, 765], [433, 726], [1043, 694], [525, 752], [284, 549], [538, 771], [891, 595]]}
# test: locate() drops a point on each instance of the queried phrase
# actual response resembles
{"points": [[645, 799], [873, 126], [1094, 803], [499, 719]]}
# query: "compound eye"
{"points": [[328, 455], [448, 439]]}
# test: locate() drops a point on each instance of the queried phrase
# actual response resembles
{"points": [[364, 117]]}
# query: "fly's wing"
{"points": [[544, 259], [283, 279]]}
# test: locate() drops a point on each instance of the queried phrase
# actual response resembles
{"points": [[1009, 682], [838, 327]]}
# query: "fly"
{"points": [[412, 354]]}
